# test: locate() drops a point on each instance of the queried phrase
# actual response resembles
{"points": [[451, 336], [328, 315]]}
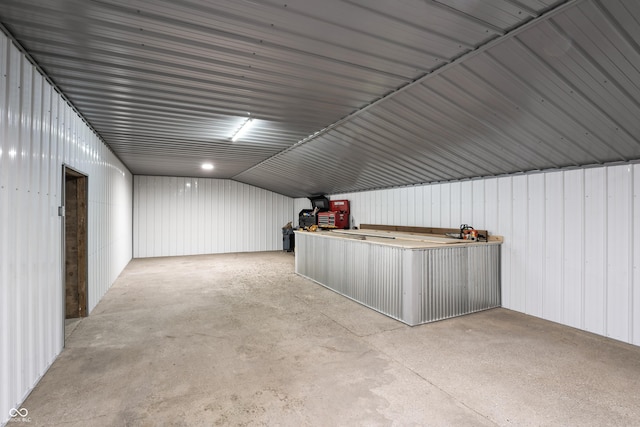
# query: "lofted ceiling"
{"points": [[345, 95]]}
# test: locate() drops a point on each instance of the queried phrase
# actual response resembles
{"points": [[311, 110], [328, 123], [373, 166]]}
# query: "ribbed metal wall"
{"points": [[411, 285], [39, 133], [370, 274], [572, 238], [445, 276], [188, 216], [483, 265], [458, 281]]}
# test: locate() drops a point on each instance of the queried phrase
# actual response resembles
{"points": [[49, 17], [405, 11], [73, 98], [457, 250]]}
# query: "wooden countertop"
{"points": [[398, 239]]}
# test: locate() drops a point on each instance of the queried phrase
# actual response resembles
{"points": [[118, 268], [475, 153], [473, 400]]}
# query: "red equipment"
{"points": [[337, 217]]}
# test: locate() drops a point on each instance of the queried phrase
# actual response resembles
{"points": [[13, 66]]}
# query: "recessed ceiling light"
{"points": [[207, 166]]}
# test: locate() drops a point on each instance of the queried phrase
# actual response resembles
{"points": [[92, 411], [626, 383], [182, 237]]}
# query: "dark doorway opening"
{"points": [[75, 244]]}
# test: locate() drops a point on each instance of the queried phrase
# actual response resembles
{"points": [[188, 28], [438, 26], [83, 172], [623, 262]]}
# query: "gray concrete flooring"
{"points": [[239, 339]]}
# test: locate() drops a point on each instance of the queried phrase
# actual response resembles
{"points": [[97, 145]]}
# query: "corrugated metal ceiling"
{"points": [[394, 93]]}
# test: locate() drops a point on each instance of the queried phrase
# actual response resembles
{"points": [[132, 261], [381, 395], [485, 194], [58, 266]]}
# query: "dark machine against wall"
{"points": [[309, 217], [325, 213]]}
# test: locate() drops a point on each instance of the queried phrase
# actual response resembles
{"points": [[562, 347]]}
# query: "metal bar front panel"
{"points": [[459, 281], [444, 284], [368, 274], [411, 285]]}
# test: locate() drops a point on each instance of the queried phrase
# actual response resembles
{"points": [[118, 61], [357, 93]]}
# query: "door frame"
{"points": [[68, 171]]}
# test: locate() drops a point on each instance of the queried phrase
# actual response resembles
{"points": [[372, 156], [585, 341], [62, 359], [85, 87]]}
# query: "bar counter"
{"points": [[410, 277]]}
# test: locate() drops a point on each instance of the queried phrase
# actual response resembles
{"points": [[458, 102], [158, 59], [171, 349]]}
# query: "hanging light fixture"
{"points": [[243, 130]]}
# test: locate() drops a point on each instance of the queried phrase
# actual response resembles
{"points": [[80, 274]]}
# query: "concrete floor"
{"points": [[241, 340]]}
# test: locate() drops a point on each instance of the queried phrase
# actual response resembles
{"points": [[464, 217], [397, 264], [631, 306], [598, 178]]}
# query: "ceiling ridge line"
{"points": [[460, 59]]}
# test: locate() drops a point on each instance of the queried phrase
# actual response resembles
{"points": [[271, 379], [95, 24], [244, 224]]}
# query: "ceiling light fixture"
{"points": [[207, 166], [243, 129]]}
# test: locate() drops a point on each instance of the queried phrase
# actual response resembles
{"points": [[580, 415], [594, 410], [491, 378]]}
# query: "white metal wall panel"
{"points": [[436, 201], [478, 199], [571, 239], [425, 198], [492, 217], [552, 286], [505, 221], [573, 256], [595, 266], [519, 254], [466, 203], [39, 132], [445, 203], [619, 252], [534, 228], [634, 301], [188, 216], [410, 206], [456, 207]]}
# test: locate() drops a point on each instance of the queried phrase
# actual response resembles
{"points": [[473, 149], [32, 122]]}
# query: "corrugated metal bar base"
{"points": [[414, 286]]}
